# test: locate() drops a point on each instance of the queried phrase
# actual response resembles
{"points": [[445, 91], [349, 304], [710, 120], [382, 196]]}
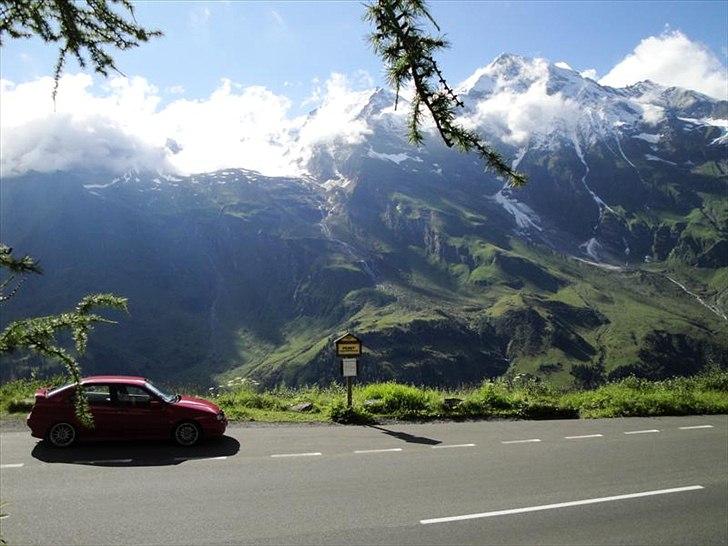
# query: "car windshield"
{"points": [[169, 398]]}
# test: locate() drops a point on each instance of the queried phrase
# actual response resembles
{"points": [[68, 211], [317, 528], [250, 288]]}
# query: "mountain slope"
{"points": [[614, 257]]}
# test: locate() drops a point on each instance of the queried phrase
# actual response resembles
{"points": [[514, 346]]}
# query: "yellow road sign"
{"points": [[348, 345]]}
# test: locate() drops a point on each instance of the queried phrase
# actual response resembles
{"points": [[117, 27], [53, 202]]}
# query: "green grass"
{"points": [[15, 396], [519, 398]]}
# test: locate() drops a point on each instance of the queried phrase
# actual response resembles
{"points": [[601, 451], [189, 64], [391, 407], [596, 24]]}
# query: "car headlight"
{"points": [[220, 416]]}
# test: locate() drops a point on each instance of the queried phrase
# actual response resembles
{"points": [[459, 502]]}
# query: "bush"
{"points": [[21, 406], [491, 399], [402, 400], [633, 397], [356, 415], [14, 395], [234, 403]]}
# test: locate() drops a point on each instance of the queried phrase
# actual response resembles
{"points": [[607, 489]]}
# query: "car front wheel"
{"points": [[187, 434], [62, 434]]}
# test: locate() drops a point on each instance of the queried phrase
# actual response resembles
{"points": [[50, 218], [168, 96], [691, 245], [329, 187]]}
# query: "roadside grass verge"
{"points": [[517, 399], [18, 396]]}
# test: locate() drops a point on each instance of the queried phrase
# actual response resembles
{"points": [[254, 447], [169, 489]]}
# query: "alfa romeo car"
{"points": [[123, 407]]}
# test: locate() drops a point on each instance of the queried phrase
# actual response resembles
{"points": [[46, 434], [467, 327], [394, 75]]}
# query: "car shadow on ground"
{"points": [[407, 437], [134, 453]]}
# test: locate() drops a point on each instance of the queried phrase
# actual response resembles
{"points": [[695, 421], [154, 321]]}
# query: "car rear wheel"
{"points": [[187, 433], [62, 434]]}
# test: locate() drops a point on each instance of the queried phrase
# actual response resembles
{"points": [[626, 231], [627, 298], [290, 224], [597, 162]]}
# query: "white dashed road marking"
{"points": [[562, 505], [642, 431], [312, 454], [378, 450], [453, 445], [695, 427], [584, 436], [530, 440], [14, 465]]}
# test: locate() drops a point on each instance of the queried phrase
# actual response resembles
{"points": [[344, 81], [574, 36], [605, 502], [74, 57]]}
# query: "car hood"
{"points": [[199, 404]]}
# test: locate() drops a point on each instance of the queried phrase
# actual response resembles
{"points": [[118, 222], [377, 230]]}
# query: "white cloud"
{"points": [[176, 89], [672, 59], [62, 142], [123, 124], [234, 127], [515, 115], [339, 100]]}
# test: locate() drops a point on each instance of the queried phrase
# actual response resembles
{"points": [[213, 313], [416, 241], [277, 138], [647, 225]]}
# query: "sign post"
{"points": [[348, 347]]}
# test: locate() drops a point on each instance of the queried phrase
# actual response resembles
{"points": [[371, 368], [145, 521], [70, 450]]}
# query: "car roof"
{"points": [[113, 379]]}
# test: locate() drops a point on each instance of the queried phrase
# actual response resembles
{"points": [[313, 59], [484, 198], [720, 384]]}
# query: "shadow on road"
{"points": [[154, 453], [407, 437]]}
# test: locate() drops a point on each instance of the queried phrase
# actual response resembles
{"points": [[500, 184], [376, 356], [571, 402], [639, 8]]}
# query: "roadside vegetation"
{"points": [[518, 398]]}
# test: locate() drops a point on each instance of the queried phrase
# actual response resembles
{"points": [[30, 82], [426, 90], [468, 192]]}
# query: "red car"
{"points": [[124, 407]]}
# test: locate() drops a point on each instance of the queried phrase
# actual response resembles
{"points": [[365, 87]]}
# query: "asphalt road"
{"points": [[618, 481]]}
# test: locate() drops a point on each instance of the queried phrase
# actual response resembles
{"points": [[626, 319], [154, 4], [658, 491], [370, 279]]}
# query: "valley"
{"points": [[614, 257]]}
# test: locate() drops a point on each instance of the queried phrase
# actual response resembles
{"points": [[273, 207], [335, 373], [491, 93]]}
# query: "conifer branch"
{"points": [[83, 29], [39, 335], [407, 52]]}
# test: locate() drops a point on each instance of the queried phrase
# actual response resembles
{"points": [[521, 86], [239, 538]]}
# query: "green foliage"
{"points": [[83, 29], [339, 412], [39, 335], [18, 268], [26, 264], [13, 393], [236, 404], [632, 397], [402, 400], [522, 397], [407, 52]]}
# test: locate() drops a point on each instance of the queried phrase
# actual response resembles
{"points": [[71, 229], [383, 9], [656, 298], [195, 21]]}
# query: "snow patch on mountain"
{"points": [[650, 157], [652, 139], [524, 216], [598, 200], [592, 247], [394, 158], [100, 186]]}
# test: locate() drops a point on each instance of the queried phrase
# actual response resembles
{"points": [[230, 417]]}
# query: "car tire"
{"points": [[62, 434], [187, 433]]}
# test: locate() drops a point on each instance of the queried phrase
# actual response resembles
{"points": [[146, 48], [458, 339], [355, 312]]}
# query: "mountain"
{"points": [[614, 257]]}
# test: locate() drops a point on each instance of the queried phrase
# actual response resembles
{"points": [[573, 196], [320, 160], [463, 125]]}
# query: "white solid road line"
{"points": [[561, 505], [695, 426], [530, 440], [378, 450], [642, 431], [312, 454], [453, 445], [14, 465], [584, 436]]}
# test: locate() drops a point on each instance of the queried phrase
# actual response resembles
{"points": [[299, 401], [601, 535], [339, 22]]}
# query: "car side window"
{"points": [[98, 395], [131, 396]]}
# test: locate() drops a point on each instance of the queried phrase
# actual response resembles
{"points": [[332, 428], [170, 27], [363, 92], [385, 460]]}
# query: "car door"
{"points": [[142, 413], [104, 412]]}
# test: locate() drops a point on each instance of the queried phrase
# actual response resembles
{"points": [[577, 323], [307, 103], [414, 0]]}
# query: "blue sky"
{"points": [[285, 45], [231, 83]]}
